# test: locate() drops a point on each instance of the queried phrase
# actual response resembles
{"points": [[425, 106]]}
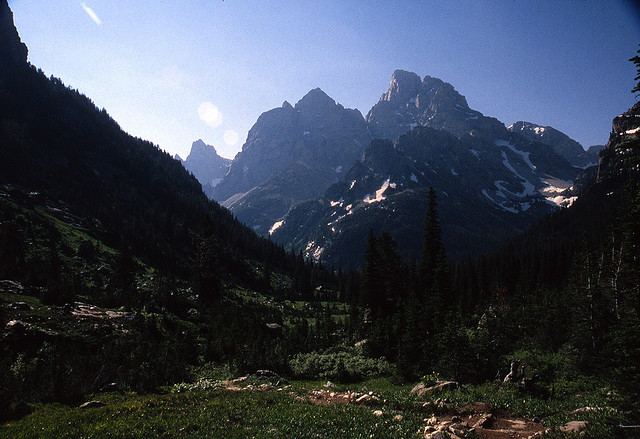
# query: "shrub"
{"points": [[343, 366]]}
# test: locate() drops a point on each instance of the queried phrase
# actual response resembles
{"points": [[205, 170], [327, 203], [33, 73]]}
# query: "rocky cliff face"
{"points": [[291, 154], [206, 165], [560, 142], [410, 102], [13, 52], [620, 159]]}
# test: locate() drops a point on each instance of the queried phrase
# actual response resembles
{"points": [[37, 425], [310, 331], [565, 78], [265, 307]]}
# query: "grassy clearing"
{"points": [[285, 413], [222, 413]]}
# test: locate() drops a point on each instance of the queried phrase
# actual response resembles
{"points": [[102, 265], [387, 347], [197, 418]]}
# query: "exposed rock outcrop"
{"points": [[620, 159]]}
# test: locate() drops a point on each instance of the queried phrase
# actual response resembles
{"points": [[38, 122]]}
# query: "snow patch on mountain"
{"points": [[554, 192], [379, 193], [275, 226], [529, 189], [524, 154]]}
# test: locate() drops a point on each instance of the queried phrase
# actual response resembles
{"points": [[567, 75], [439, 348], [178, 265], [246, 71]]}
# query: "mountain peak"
{"points": [[206, 165], [442, 93], [199, 149], [402, 87], [315, 99], [12, 49]]}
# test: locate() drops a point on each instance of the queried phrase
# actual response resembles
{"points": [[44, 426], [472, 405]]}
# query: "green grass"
{"points": [[222, 413], [287, 414]]}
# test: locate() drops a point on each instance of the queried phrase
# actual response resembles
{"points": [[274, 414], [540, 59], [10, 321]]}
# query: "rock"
{"points": [[420, 389], [485, 422], [329, 385], [398, 418], [10, 286], [15, 325], [515, 373], [377, 413], [92, 404], [575, 427], [22, 306], [436, 435]]}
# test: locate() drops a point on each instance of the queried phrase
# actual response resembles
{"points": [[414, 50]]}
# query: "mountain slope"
{"points": [[560, 142]]}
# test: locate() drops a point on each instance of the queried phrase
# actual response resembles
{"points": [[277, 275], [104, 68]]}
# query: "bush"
{"points": [[343, 367]]}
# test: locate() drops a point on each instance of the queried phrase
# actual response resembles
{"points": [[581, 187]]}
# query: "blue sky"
{"points": [[174, 71]]}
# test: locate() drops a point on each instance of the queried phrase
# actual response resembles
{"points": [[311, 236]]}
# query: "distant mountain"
{"points": [[291, 154], [431, 102], [491, 183], [560, 142], [206, 165]]}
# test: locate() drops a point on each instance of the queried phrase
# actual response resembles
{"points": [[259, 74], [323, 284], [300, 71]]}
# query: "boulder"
{"points": [[575, 427], [441, 386], [91, 404]]}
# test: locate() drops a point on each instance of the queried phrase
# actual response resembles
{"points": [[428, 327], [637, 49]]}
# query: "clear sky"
{"points": [[175, 71]]}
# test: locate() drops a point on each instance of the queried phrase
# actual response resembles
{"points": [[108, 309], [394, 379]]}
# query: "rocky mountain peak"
{"points": [[439, 94], [12, 50], [206, 165], [315, 100], [431, 102], [402, 87]]}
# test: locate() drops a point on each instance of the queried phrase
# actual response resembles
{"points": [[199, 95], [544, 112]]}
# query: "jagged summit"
{"points": [[206, 165], [410, 102], [12, 50], [403, 86], [292, 154], [316, 100]]}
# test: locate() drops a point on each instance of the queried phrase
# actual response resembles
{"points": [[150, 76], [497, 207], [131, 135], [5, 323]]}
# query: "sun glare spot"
{"points": [[230, 137], [209, 114]]}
